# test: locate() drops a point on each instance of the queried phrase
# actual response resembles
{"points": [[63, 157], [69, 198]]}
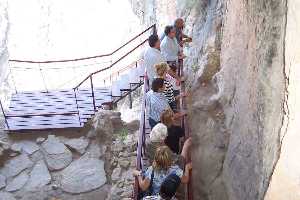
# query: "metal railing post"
{"points": [[93, 94], [77, 106], [154, 30], [2, 109]]}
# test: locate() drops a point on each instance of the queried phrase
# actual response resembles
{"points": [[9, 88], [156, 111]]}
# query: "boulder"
{"points": [[2, 181], [39, 177], [6, 196], [115, 176], [40, 140], [18, 182], [56, 154], [16, 165], [78, 144], [28, 147], [83, 175]]}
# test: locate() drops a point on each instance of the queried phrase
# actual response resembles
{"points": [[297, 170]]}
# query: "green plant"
{"points": [[123, 133]]}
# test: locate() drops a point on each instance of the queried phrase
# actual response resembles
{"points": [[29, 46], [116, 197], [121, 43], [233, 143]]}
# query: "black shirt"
{"points": [[174, 135]]}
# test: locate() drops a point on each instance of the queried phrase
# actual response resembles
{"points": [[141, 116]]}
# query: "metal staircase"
{"points": [[72, 108]]}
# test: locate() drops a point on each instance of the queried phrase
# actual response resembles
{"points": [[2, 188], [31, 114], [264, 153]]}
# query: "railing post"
{"points": [[93, 95], [2, 109], [77, 106], [154, 30]]}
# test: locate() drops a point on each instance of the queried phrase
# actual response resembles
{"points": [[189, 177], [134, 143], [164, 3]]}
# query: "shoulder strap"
{"points": [[151, 182]]}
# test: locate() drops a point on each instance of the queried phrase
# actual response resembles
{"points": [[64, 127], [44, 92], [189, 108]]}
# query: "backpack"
{"points": [[148, 192]]}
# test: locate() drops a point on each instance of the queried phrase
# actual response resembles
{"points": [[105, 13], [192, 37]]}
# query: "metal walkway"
{"points": [[72, 108]]}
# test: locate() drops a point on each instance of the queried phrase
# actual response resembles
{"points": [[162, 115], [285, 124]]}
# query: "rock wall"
{"points": [[241, 70], [285, 180], [95, 162], [4, 26], [239, 97]]}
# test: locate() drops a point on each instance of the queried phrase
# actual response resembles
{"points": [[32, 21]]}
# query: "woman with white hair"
{"points": [[158, 137]]}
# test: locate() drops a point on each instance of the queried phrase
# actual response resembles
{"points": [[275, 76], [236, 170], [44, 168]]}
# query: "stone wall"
{"points": [[285, 180], [95, 162], [4, 27]]}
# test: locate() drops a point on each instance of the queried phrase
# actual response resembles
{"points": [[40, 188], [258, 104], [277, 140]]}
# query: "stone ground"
{"points": [[92, 163]]}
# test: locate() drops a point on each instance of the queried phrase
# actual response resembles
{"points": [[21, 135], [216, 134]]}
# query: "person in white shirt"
{"points": [[170, 48], [152, 56]]}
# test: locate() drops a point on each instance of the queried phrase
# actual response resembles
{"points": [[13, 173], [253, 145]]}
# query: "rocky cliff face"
{"points": [[241, 71], [4, 86]]}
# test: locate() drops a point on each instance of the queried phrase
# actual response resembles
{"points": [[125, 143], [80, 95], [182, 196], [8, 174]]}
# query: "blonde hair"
{"points": [[161, 68], [162, 158], [167, 118]]}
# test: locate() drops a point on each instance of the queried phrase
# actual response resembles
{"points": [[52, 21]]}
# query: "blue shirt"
{"points": [[156, 104], [170, 49], [159, 176]]}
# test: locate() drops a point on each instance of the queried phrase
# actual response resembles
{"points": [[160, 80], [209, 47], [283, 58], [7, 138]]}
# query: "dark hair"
{"points": [[169, 186], [152, 40], [168, 29], [157, 83]]}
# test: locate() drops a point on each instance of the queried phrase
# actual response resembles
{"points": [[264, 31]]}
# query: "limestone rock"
{"points": [[28, 147], [124, 163], [16, 165], [40, 140], [94, 151], [17, 183], [39, 177], [56, 154], [78, 144], [83, 175], [115, 176], [2, 181], [6, 196]]}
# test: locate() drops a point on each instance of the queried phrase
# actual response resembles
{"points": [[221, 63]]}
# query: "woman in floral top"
{"points": [[162, 167]]}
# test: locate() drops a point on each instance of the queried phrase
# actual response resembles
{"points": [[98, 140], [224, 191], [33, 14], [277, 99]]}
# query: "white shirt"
{"points": [[169, 49], [152, 56]]}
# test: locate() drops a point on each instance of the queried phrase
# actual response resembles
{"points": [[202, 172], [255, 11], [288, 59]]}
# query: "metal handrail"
{"points": [[184, 124], [113, 64], [142, 135], [90, 57], [141, 139]]}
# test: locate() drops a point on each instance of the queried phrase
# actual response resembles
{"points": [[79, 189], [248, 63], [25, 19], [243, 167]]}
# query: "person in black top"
{"points": [[175, 133]]}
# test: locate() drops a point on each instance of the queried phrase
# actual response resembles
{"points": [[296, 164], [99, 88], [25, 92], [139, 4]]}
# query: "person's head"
{"points": [[158, 85], [154, 41], [161, 69], [162, 158], [158, 133], [179, 23], [167, 118], [169, 186], [170, 31]]}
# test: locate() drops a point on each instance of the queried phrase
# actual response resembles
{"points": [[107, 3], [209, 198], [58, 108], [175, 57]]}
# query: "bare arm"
{"points": [[173, 74], [186, 176], [143, 183]]}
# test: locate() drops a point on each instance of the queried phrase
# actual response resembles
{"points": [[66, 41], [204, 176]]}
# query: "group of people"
{"points": [[169, 159]]}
